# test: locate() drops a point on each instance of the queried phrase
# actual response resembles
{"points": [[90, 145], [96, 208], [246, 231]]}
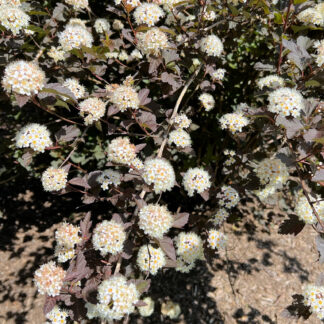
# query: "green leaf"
{"points": [[61, 103], [234, 11], [36, 29], [297, 29], [56, 93], [296, 2], [38, 13], [319, 140], [169, 31], [312, 83], [278, 18]]}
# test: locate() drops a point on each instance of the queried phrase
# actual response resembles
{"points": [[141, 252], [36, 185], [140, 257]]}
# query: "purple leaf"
{"points": [[21, 100], [166, 245], [143, 97], [205, 195], [85, 226], [140, 303], [117, 218], [147, 119], [140, 147], [112, 110], [49, 304], [180, 220], [79, 182], [318, 176], [67, 133], [293, 225]]}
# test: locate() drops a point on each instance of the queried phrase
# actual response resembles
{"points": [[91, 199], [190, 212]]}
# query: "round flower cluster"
{"points": [[148, 13], [94, 108], [183, 266], [148, 309], [209, 15], [228, 197], [286, 102], [314, 297], [218, 75], [121, 151], [78, 4], [220, 216], [152, 42], [101, 26], [150, 259], [234, 122], [34, 136], [57, 316], [155, 220], [319, 45], [171, 309], [125, 97], [77, 22], [109, 237], [54, 179], [182, 121], [305, 212], [212, 45], [24, 78], [116, 298], [196, 179], [75, 87], [180, 138], [137, 164], [270, 81], [189, 247], [160, 173], [267, 194], [13, 19], [117, 24], [231, 160], [56, 53], [49, 279], [75, 36], [216, 239], [207, 100], [273, 172], [313, 15], [109, 177], [67, 235]]}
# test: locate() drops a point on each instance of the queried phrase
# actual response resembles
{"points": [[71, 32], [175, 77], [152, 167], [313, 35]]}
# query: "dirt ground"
{"points": [[251, 283]]}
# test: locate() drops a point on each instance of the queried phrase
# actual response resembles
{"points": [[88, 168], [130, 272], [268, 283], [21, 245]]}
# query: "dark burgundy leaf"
{"points": [[143, 97], [26, 158], [78, 310], [112, 110], [56, 89], [92, 178], [293, 225], [166, 245], [117, 218], [180, 220], [205, 195], [172, 80], [89, 292], [170, 263], [79, 182], [292, 125], [140, 147], [66, 299], [21, 100], [147, 119], [318, 176], [49, 304], [66, 167], [67, 133], [85, 226]]}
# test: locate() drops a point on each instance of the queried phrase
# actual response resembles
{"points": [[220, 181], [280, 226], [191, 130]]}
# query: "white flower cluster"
{"points": [[148, 309], [228, 197], [54, 179], [78, 4], [57, 315], [209, 15], [49, 279], [34, 136], [272, 172], [24, 78], [218, 75], [109, 237], [270, 81], [207, 100], [181, 121], [286, 102], [75, 87], [220, 216], [148, 13], [159, 173], [155, 220], [117, 24], [212, 45], [13, 19], [189, 249], [180, 138], [150, 259], [305, 212], [319, 57], [94, 108], [171, 309], [109, 177], [125, 97], [56, 53], [314, 15], [11, 3], [196, 179], [230, 161], [121, 151], [101, 26], [314, 297], [67, 236], [137, 164], [75, 36], [152, 41], [234, 122], [116, 299], [216, 239]]}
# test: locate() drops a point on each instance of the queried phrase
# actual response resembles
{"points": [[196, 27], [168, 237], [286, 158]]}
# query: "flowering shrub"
{"points": [[152, 108]]}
